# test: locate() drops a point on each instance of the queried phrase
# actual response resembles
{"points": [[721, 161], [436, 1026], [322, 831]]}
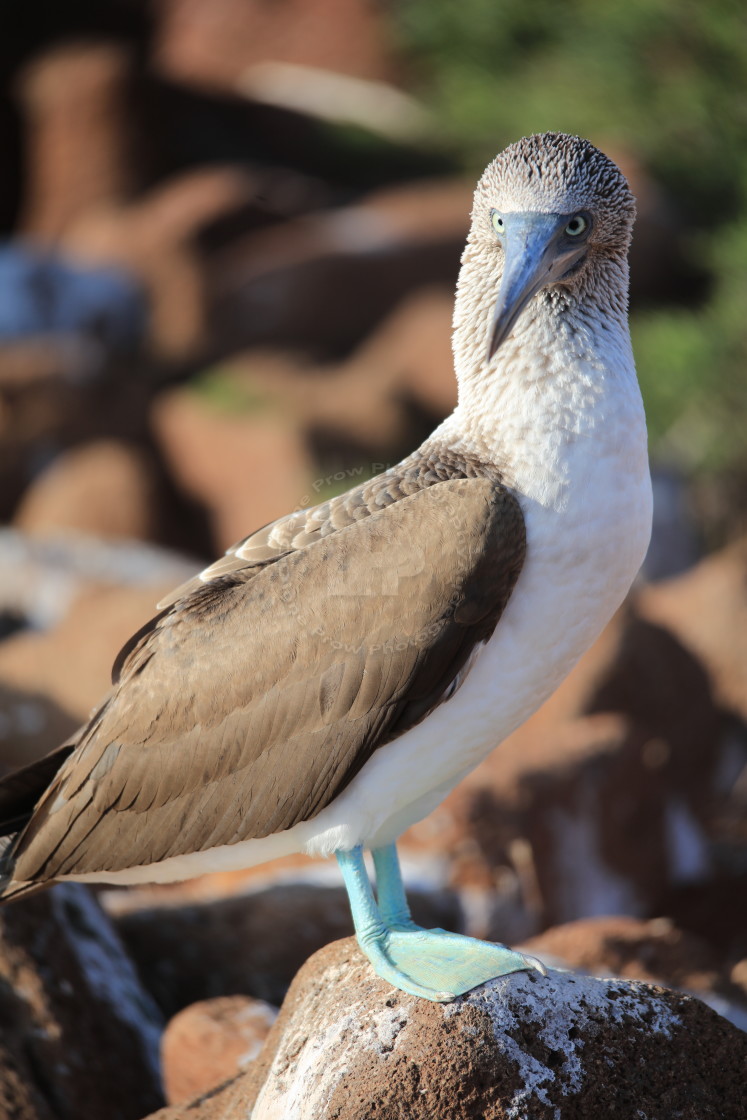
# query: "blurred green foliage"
{"points": [[665, 80], [228, 391]]}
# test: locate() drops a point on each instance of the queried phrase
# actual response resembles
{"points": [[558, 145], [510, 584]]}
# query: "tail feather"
{"points": [[19, 793], [8, 889]]}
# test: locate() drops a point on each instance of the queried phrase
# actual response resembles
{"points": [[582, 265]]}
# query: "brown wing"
{"points": [[307, 526], [250, 704]]}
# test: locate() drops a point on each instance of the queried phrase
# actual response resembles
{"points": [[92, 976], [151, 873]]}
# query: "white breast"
{"points": [[580, 470]]}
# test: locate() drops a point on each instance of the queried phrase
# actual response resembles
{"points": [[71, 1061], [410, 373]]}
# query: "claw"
{"points": [[535, 962]]}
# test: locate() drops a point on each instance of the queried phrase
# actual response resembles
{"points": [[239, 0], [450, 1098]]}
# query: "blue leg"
{"points": [[372, 934], [390, 890], [433, 964]]}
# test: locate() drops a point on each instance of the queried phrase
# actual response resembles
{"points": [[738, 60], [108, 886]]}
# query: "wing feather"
{"points": [[251, 702]]}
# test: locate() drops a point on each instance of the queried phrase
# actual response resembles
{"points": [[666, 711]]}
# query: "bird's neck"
{"points": [[566, 373]]}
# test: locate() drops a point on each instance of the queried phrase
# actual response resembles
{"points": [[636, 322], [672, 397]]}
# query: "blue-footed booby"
{"points": [[333, 677]]}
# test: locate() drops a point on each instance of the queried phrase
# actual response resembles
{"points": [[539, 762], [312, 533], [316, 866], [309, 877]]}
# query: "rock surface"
{"points": [[71, 664], [637, 950], [246, 469], [210, 1042], [706, 608], [322, 282], [75, 99], [252, 944], [347, 1046], [657, 950], [105, 488], [80, 1034], [215, 44], [155, 239], [367, 400]]}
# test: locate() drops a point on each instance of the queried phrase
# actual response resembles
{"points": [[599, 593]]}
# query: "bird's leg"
{"points": [[431, 963], [372, 934], [366, 917], [390, 890]]}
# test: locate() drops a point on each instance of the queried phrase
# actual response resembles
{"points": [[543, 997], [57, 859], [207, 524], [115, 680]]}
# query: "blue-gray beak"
{"points": [[537, 252]]}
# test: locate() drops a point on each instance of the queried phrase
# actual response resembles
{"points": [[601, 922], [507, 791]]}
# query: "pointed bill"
{"points": [[537, 252]]}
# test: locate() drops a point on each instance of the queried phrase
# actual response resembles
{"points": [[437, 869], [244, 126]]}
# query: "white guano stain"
{"points": [[557, 1004]]}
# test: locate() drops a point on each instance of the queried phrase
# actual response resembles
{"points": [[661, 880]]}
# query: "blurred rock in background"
{"points": [[230, 236], [80, 1033]]}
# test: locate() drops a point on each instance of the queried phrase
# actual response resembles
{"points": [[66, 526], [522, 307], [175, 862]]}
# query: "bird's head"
{"points": [[550, 208]]}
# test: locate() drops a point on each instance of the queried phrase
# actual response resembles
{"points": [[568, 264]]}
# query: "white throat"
{"points": [[560, 393]]}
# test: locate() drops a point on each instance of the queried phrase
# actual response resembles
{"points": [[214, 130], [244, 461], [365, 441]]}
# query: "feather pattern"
{"points": [[254, 697]]}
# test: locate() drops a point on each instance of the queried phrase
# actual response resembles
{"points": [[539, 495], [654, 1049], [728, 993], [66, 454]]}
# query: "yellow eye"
{"points": [[497, 222], [577, 225]]}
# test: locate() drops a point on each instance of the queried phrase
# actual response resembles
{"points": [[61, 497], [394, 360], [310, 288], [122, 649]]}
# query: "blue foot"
{"points": [[433, 964], [438, 965]]}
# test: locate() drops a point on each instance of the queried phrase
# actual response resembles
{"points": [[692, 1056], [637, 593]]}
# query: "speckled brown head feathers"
{"points": [[557, 173]]}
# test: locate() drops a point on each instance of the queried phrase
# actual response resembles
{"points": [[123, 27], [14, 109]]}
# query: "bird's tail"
{"points": [[8, 888], [19, 793]]}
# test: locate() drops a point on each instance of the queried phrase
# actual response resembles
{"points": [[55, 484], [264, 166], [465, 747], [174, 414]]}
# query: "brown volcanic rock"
{"points": [[639, 668], [254, 944], [211, 1041], [32, 363], [215, 43], [638, 950], [348, 1046], [706, 608], [247, 469], [156, 238], [71, 664], [322, 282], [368, 399], [75, 98], [408, 355], [104, 488], [57, 391], [80, 1034], [31, 725], [19, 1098]]}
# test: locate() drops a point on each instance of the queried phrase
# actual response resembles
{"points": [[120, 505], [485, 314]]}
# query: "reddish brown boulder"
{"points": [[706, 609], [57, 391], [409, 355], [31, 725], [368, 399], [104, 488], [210, 1042], [348, 1046], [42, 576], [32, 363], [80, 1034], [637, 950], [253, 944], [71, 665], [322, 282], [155, 239], [247, 467], [79, 153], [215, 44], [41, 406]]}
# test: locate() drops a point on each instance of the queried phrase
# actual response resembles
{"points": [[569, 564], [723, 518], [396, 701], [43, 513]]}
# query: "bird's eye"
{"points": [[496, 221], [577, 225]]}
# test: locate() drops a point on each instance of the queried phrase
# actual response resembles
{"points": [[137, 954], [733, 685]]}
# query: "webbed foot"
{"points": [[431, 963]]}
